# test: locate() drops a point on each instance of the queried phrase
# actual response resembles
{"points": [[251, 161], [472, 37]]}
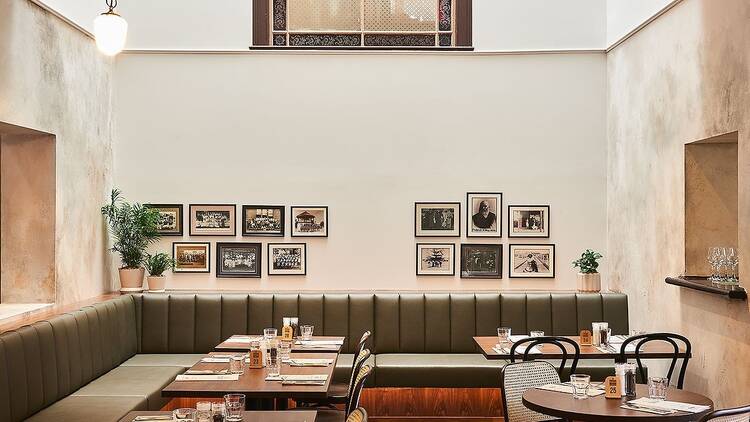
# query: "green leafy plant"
{"points": [[158, 263], [587, 262], [132, 227]]}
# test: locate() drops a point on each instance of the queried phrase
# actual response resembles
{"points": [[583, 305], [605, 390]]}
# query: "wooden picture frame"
{"points": [[437, 219], [528, 221], [531, 261], [239, 259], [431, 259], [475, 263], [213, 219], [484, 214], [308, 221], [263, 220], [181, 252], [278, 265], [171, 219]]}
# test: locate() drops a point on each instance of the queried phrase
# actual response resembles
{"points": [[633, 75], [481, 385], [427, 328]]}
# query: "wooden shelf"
{"points": [[702, 284]]}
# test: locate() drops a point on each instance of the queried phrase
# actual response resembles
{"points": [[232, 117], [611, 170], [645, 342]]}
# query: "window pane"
{"points": [[400, 15], [327, 15]]}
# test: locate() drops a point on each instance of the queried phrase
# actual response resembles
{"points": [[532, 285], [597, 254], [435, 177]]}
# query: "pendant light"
{"points": [[110, 30]]}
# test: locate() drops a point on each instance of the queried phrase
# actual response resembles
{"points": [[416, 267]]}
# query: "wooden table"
{"points": [[651, 350], [252, 416], [598, 408], [228, 345]]}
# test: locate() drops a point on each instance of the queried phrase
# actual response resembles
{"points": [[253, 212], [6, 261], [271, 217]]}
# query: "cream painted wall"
{"points": [[52, 79], [624, 16], [683, 78], [367, 135]]}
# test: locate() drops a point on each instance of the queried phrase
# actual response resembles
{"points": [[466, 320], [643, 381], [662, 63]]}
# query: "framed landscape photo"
{"points": [[436, 259], [263, 220], [481, 261], [309, 221], [170, 219], [532, 261], [213, 220], [235, 259], [191, 257], [287, 259], [437, 219], [528, 221], [485, 214]]}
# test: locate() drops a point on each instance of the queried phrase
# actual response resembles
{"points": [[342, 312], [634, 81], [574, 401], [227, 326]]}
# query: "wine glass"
{"points": [[733, 260], [713, 259]]}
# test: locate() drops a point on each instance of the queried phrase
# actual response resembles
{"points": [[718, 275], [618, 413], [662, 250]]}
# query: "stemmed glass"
{"points": [[732, 261], [713, 259]]}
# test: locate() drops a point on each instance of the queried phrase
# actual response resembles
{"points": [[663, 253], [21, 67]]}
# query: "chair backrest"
{"points": [[359, 360], [737, 414], [560, 342], [358, 415], [669, 338], [359, 383], [518, 377], [361, 346]]}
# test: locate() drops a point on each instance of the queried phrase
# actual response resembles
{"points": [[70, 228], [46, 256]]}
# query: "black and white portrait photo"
{"points": [[262, 220], [287, 259], [481, 261], [212, 220], [435, 258], [528, 221], [238, 259], [484, 209], [532, 261], [170, 219], [437, 219], [309, 221]]}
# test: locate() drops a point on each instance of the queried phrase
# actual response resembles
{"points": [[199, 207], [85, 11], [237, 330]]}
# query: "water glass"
{"points": [[234, 405], [184, 414], [270, 333], [657, 388], [307, 332], [203, 411], [733, 260], [273, 361], [237, 364], [285, 349], [503, 335], [580, 384], [536, 333]]}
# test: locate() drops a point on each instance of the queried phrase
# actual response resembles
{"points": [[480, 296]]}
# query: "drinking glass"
{"points": [[733, 260], [657, 388], [203, 411], [536, 333], [270, 333], [273, 362], [237, 364], [580, 384], [503, 336], [234, 405], [184, 414], [713, 259], [307, 332], [285, 349]]}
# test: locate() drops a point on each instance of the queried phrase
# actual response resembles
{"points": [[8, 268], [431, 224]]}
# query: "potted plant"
{"points": [[156, 265], [589, 279], [133, 228]]}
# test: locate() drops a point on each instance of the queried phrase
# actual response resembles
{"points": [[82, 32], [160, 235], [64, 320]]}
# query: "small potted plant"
{"points": [[156, 265], [589, 279], [133, 228]]}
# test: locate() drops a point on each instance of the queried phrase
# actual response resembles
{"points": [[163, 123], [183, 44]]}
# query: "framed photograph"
{"points": [[213, 220], [263, 220], [485, 214], [528, 221], [532, 261], [481, 261], [287, 259], [238, 259], [437, 219], [170, 219], [192, 257], [436, 259], [309, 221]]}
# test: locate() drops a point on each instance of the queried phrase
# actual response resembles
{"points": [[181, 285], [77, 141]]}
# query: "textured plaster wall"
{"points": [[681, 79], [53, 79]]}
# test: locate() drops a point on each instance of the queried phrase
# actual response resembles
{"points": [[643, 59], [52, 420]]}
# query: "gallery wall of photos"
{"points": [[481, 259]]}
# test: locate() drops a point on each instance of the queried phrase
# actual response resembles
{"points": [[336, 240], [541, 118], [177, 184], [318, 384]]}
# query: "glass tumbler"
{"points": [[273, 361], [203, 411], [184, 414], [237, 364], [270, 333], [503, 336], [657, 388], [307, 332], [580, 384], [285, 349], [234, 405]]}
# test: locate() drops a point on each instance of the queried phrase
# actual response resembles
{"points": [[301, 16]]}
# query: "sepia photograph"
{"points": [[437, 219], [481, 261], [436, 259], [484, 214], [287, 259], [170, 219], [238, 259], [532, 261], [309, 221], [191, 257], [212, 220], [263, 220], [528, 221]]}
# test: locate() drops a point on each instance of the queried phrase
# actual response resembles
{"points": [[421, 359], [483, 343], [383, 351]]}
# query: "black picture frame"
{"points": [[497, 248], [208, 257], [528, 236], [282, 218], [180, 219], [511, 262], [222, 246], [498, 233], [229, 232], [275, 272], [420, 231], [451, 246], [293, 228]]}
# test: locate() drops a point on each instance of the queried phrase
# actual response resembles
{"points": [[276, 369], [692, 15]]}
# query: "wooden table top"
{"points": [[253, 382], [228, 345], [652, 350], [599, 408], [254, 416]]}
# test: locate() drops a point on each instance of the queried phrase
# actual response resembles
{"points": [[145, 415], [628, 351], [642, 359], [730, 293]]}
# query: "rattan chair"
{"points": [[358, 415], [737, 414], [560, 342], [329, 415], [518, 377], [670, 338]]}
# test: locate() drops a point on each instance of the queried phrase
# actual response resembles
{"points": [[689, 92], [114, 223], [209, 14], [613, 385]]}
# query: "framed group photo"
{"points": [[309, 221], [287, 259], [481, 261], [437, 219], [213, 220], [532, 261], [263, 220], [485, 211], [237, 259], [528, 221], [170, 219], [192, 257], [436, 259]]}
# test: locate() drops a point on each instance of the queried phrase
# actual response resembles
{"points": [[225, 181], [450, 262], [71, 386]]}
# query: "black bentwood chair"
{"points": [[560, 342], [670, 338], [328, 415], [737, 414]]}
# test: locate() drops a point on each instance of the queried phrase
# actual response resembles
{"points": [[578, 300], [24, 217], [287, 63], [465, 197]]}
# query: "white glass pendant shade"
{"points": [[110, 30]]}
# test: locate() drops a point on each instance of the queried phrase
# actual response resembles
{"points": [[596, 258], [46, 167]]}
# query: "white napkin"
{"points": [[228, 377], [215, 360], [669, 405], [245, 340], [320, 342], [298, 377], [517, 338], [568, 389], [522, 349], [500, 350], [310, 362]]}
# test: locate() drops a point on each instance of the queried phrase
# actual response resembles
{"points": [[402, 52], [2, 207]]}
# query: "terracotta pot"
{"points": [[131, 279], [590, 282], [156, 283]]}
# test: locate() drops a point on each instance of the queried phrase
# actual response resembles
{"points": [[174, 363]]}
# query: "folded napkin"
{"points": [[206, 372], [299, 377], [566, 388], [153, 418], [645, 402], [646, 409], [248, 340], [501, 350], [320, 342], [522, 349], [227, 377], [310, 362], [517, 338], [213, 359]]}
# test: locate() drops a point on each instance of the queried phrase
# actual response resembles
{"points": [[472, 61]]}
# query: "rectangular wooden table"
{"points": [[651, 350], [250, 416], [242, 346]]}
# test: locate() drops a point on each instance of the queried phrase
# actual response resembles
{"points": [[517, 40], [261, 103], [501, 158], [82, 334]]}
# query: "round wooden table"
{"points": [[598, 408]]}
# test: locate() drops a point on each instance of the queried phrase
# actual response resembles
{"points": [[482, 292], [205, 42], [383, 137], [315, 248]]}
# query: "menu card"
{"points": [[243, 339], [227, 377], [564, 388], [335, 342], [298, 377], [310, 362], [668, 405]]}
